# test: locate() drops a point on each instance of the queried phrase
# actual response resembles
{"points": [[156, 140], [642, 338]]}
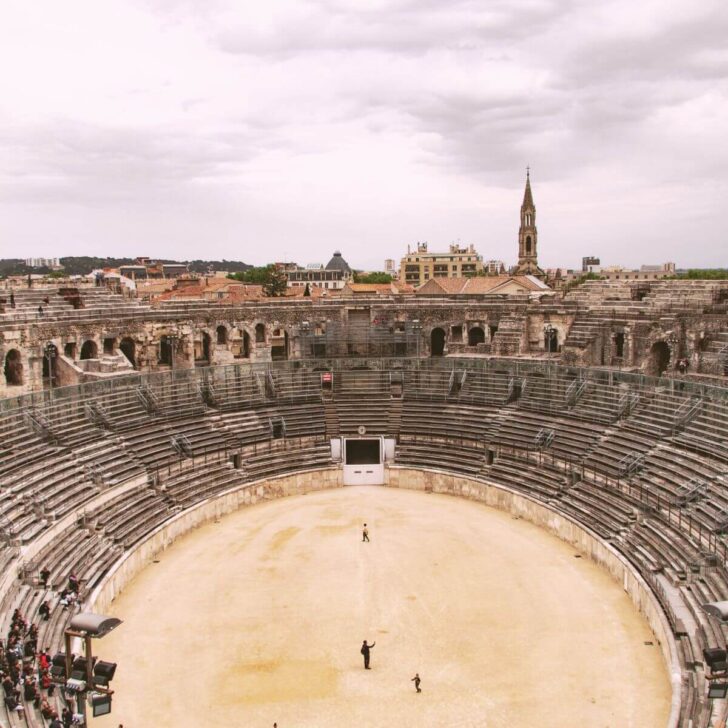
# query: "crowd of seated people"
{"points": [[25, 670]]}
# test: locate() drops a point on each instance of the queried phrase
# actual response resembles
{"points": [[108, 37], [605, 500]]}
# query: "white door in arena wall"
{"points": [[363, 460]]}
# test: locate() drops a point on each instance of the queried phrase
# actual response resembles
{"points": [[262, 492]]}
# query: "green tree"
{"points": [[372, 278], [276, 282]]}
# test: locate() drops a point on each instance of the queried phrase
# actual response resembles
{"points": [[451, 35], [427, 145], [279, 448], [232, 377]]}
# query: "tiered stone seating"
{"points": [[58, 463], [362, 398], [129, 517], [281, 456], [445, 420], [206, 481], [425, 453], [707, 433]]}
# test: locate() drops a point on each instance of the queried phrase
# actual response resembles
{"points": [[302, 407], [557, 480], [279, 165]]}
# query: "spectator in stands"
{"points": [[45, 610], [46, 711], [365, 533], [73, 583], [45, 574], [40, 310], [67, 718], [46, 300], [55, 723]]}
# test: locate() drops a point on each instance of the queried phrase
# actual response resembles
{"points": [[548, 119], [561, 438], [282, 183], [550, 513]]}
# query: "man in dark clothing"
{"points": [[365, 651], [416, 680], [45, 574], [365, 533]]}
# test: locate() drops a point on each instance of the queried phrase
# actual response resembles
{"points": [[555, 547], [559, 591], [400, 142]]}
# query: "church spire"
{"points": [[528, 234], [527, 196]]}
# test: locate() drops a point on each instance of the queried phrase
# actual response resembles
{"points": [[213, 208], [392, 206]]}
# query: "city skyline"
{"points": [[181, 130]]}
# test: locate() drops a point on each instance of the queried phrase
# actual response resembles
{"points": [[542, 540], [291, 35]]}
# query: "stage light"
{"points": [[95, 625], [715, 658], [104, 672], [719, 610], [717, 691], [100, 704]]}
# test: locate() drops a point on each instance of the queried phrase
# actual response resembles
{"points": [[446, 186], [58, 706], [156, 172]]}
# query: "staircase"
{"points": [[507, 340], [582, 333], [331, 418], [394, 419]]}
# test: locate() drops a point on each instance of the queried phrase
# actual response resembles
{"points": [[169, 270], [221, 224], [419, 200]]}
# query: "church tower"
{"points": [[528, 236]]}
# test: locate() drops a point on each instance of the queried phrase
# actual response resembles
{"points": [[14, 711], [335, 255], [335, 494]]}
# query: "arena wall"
{"points": [[425, 480]]}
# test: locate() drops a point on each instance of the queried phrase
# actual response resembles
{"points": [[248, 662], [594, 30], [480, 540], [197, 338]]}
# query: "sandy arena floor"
{"points": [[260, 617]]}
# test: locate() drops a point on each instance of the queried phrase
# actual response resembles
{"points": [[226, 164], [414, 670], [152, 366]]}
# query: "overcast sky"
{"points": [[256, 130]]}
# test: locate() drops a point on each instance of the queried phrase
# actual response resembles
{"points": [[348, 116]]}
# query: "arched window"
{"points": [[13, 368], [528, 245], [260, 334], [437, 342], [222, 335], [128, 348], [70, 350], [89, 350], [476, 336]]}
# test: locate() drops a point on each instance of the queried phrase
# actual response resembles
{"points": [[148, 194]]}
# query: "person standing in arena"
{"points": [[416, 680], [365, 533], [365, 651]]}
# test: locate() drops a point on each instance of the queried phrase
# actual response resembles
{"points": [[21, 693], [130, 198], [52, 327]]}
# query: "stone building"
{"points": [[636, 326]]}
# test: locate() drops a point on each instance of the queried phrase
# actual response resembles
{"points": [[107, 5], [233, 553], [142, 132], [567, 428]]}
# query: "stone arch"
{"points": [[551, 340], [206, 346], [166, 350], [128, 349], [659, 358], [618, 340], [69, 350], [437, 342], [528, 245], [222, 335], [89, 350], [260, 333], [13, 369], [109, 344], [279, 352], [476, 336]]}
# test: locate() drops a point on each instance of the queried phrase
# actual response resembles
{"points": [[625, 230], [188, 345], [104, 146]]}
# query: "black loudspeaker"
{"points": [[715, 658]]}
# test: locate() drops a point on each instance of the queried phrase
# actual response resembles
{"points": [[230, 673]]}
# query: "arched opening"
{"points": [[222, 335], [437, 342], [69, 350], [206, 341], [659, 358], [245, 346], [109, 345], [492, 328], [551, 340], [13, 369], [528, 245], [619, 345], [260, 334], [128, 349], [476, 336], [279, 351], [89, 350], [166, 351]]}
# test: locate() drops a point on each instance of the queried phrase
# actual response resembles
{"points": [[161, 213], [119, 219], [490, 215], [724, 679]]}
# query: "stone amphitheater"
{"points": [[147, 422]]}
